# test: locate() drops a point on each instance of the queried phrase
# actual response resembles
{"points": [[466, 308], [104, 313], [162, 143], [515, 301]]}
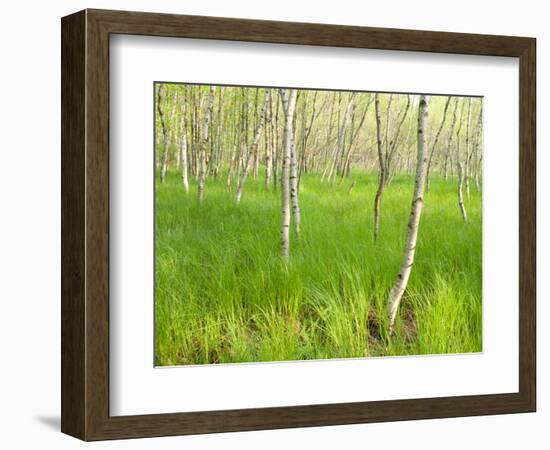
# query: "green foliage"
{"points": [[224, 295]]}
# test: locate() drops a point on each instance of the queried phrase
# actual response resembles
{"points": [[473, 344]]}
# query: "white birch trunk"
{"points": [[269, 146], [289, 106], [253, 151], [183, 158], [460, 185], [400, 284], [476, 148], [169, 138], [204, 144], [467, 159], [394, 142], [436, 140], [339, 148], [294, 187], [353, 135], [450, 141], [183, 148], [164, 154], [460, 169], [382, 168]]}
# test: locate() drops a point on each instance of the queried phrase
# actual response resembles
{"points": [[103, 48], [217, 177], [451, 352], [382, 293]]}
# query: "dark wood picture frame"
{"points": [[85, 224]]}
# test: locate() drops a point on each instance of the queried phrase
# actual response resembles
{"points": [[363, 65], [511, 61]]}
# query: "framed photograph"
{"points": [[272, 225]]}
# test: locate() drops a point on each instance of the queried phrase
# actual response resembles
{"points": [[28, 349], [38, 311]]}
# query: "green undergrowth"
{"points": [[224, 295]]}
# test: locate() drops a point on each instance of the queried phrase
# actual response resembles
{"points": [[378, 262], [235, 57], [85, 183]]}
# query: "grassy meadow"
{"points": [[224, 294]]}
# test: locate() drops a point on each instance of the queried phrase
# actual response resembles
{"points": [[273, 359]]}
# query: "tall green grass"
{"points": [[224, 295]]}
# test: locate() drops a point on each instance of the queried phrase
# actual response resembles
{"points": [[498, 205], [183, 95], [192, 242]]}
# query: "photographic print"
{"points": [[300, 224]]}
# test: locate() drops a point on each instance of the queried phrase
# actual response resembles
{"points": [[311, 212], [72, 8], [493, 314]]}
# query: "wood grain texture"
{"points": [[527, 224], [73, 227], [85, 224]]}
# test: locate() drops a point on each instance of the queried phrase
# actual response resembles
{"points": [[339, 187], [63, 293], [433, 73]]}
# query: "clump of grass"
{"points": [[224, 295]]}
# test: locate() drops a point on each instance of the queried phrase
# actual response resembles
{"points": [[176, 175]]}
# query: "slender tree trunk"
{"points": [[252, 154], [183, 146], [476, 148], [204, 144], [467, 159], [308, 127], [460, 169], [256, 159], [294, 188], [289, 106], [329, 136], [434, 145], [171, 137], [400, 284], [269, 144], [392, 145], [382, 168], [460, 184], [179, 132], [276, 145], [459, 190], [219, 126], [353, 135], [339, 148], [164, 154], [184, 177], [232, 163], [449, 142]]}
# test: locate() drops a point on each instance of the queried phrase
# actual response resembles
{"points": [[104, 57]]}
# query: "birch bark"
{"points": [[476, 148], [400, 284], [382, 167], [163, 156], [467, 158], [339, 148], [184, 176], [294, 186], [204, 144], [289, 105], [253, 150], [460, 170], [353, 135], [436, 140], [269, 145], [450, 141], [183, 147]]}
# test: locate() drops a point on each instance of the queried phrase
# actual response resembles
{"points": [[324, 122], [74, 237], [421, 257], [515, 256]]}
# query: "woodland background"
{"points": [[347, 165]]}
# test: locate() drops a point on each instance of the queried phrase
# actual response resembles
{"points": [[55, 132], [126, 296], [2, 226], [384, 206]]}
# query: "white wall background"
{"points": [[30, 221]]}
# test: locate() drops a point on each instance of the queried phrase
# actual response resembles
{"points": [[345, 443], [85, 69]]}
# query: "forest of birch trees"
{"points": [[307, 224]]}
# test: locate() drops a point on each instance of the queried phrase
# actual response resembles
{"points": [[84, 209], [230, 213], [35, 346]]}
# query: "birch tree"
{"points": [[330, 128], [467, 157], [477, 144], [450, 141], [436, 140], [204, 144], [382, 167], [296, 216], [289, 105], [400, 284], [460, 168], [339, 147], [252, 153], [164, 154], [353, 135], [219, 125], [269, 144], [183, 154], [386, 150]]}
